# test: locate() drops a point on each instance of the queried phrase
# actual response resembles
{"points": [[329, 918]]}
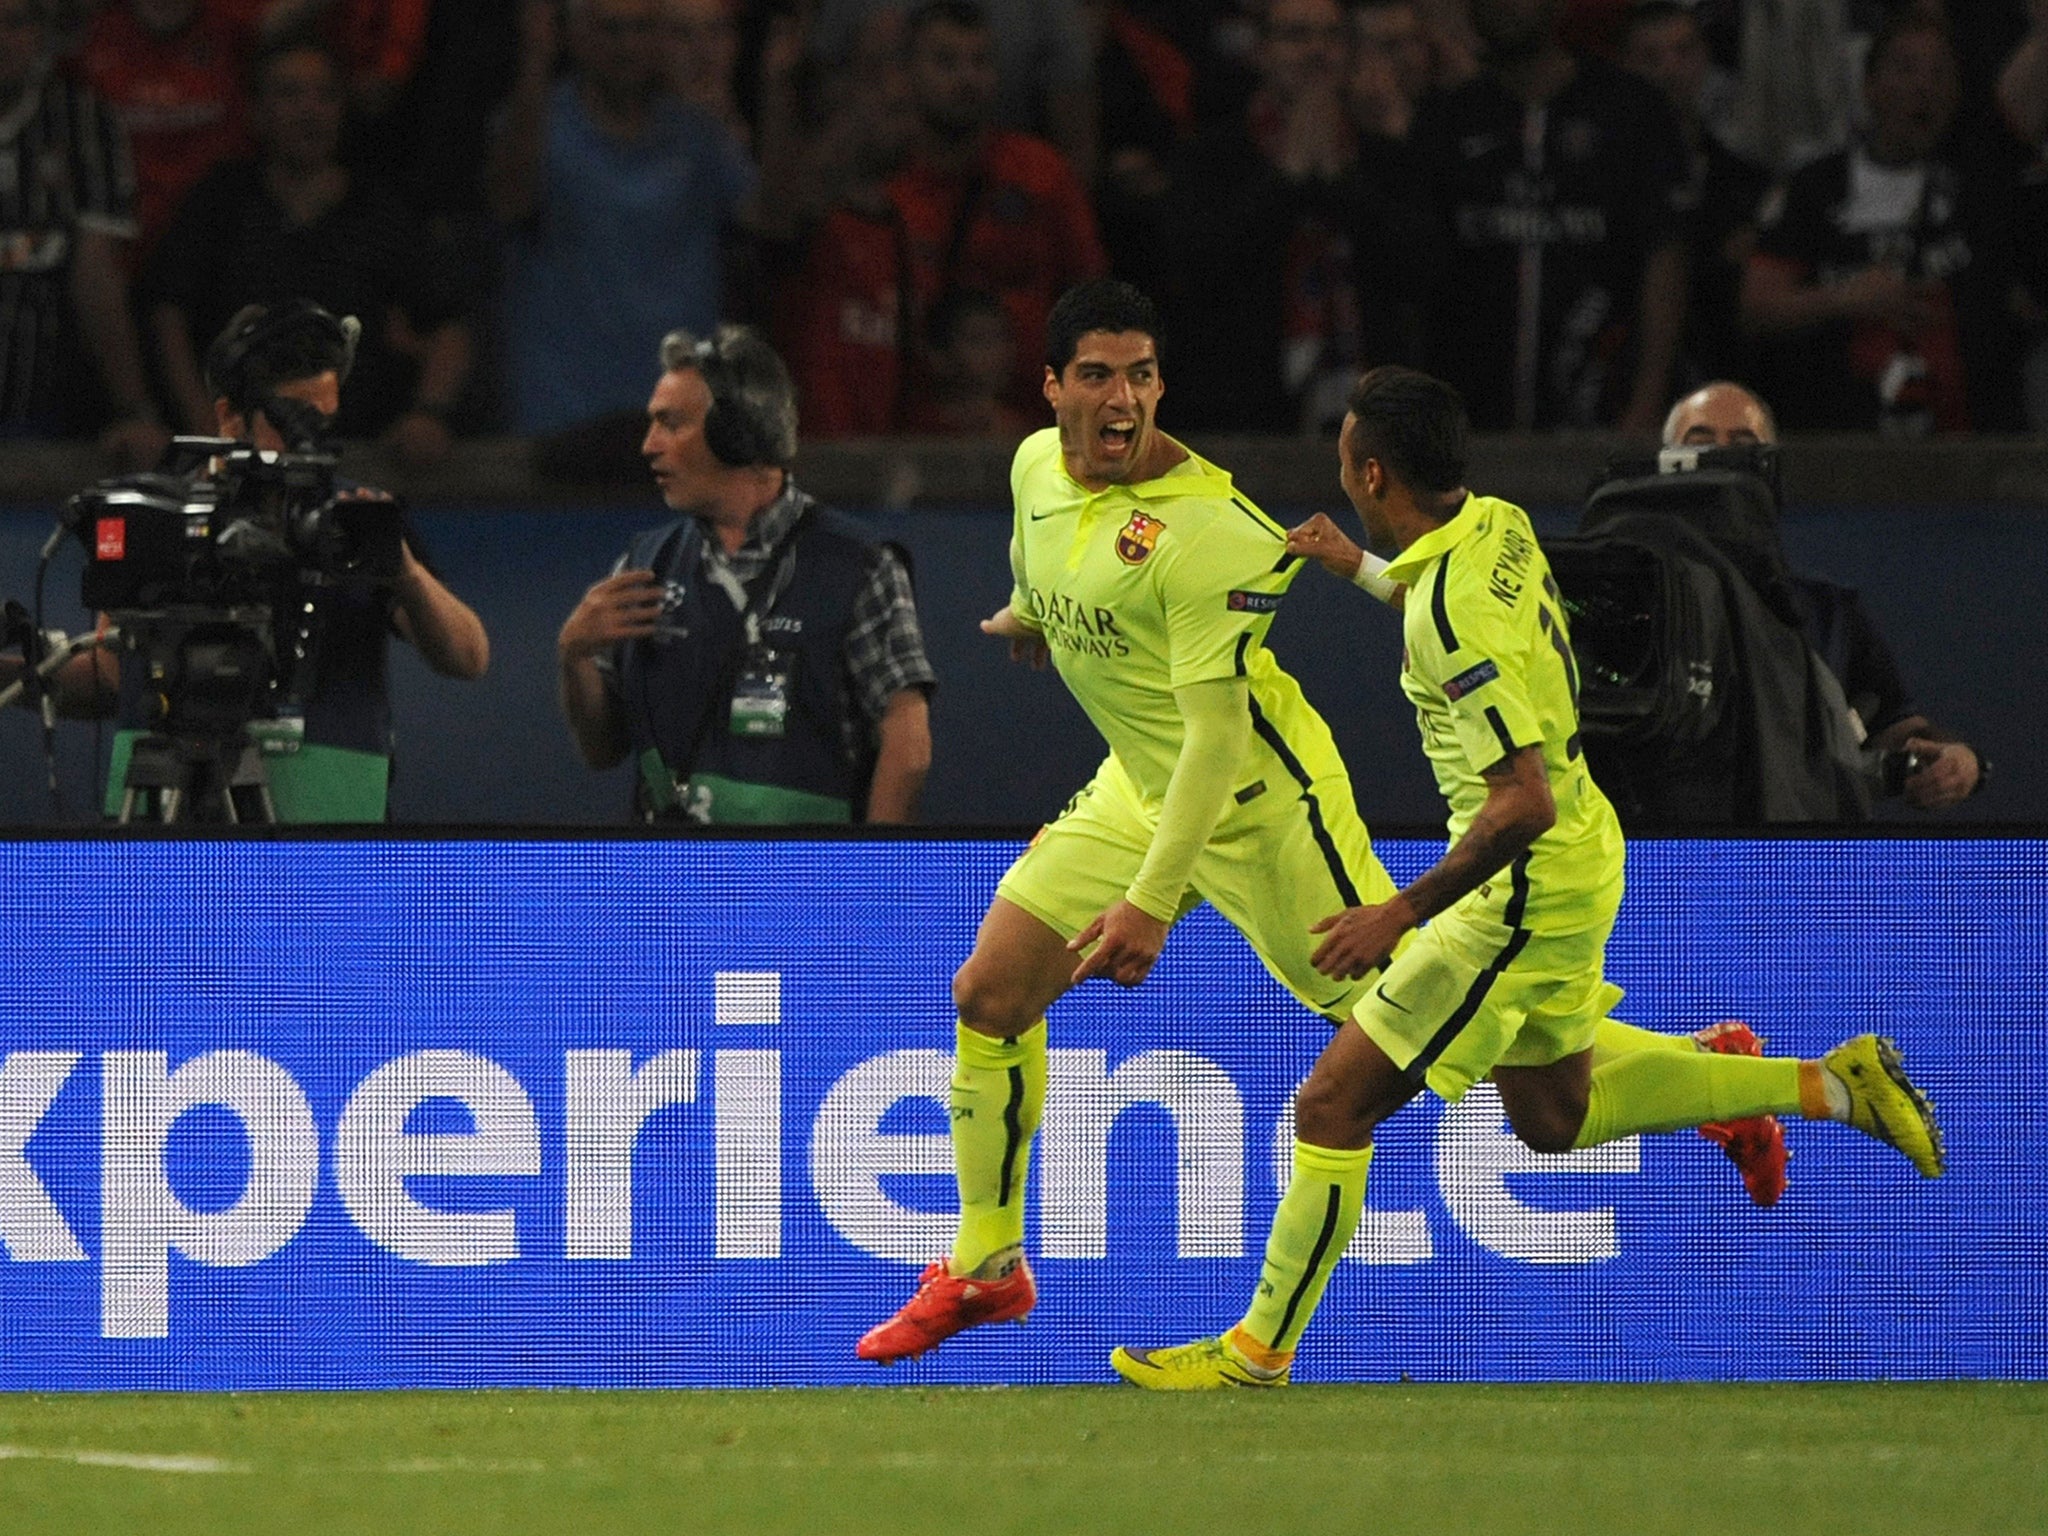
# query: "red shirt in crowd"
{"points": [[179, 97], [837, 324], [1030, 235]]}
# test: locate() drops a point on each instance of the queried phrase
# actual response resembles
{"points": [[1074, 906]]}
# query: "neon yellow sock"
{"points": [[1613, 1038], [998, 1098], [1311, 1229], [1660, 1090]]}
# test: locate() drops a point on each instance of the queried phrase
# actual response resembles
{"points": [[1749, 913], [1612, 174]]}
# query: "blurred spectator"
{"points": [[1452, 40], [971, 360], [1043, 71], [2023, 81], [1393, 65], [295, 222], [1146, 85], [1873, 281], [1794, 82], [67, 212], [618, 197], [1594, 26], [1294, 270], [842, 304], [1662, 41], [2022, 157], [379, 42], [703, 59], [432, 142], [1559, 182], [986, 207], [172, 70]]}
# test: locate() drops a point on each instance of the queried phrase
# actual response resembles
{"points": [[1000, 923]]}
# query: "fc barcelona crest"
{"points": [[1138, 537]]}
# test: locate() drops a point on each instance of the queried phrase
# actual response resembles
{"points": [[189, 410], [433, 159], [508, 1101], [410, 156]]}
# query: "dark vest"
{"points": [[678, 686]]}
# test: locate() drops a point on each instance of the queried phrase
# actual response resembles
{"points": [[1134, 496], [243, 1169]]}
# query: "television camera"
{"points": [[1701, 700], [205, 566]]}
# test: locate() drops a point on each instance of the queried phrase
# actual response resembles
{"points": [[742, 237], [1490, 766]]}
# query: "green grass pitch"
{"points": [[1944, 1459]]}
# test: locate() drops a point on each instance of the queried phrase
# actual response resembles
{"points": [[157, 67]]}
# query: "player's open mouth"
{"points": [[1117, 439]]}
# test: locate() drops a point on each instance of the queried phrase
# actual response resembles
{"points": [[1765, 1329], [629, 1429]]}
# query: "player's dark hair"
{"points": [[752, 420], [1102, 304], [965, 14], [267, 345], [1413, 424], [1898, 26]]}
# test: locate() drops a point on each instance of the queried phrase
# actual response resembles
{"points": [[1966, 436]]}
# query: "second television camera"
{"points": [[1702, 701]]}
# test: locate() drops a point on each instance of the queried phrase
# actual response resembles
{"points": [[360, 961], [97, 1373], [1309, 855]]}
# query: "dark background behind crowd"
{"points": [[1574, 209]]}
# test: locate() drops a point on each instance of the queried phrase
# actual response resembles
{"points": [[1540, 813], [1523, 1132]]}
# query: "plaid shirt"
{"points": [[884, 646]]}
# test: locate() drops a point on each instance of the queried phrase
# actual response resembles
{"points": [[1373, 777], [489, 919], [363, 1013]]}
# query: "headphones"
{"points": [[258, 326], [752, 419]]}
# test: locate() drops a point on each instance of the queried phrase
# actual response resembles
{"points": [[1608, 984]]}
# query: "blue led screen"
{"points": [[395, 1113]]}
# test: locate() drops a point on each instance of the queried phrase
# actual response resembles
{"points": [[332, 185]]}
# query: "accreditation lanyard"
{"points": [[761, 682]]}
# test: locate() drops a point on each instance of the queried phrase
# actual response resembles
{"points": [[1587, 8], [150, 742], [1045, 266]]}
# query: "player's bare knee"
{"points": [[990, 1001], [1329, 1112], [1547, 1125]]}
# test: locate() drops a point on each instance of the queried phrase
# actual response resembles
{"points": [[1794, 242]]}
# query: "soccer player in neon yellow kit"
{"points": [[1506, 979], [1151, 582]]}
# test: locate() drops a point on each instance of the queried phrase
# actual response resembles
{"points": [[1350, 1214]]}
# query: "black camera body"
{"points": [[1702, 701], [204, 562], [224, 524]]}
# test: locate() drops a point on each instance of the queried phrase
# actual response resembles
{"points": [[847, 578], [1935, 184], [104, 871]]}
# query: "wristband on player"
{"points": [[1368, 576]]}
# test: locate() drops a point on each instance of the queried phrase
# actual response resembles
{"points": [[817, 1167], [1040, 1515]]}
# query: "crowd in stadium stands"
{"points": [[1573, 209]]}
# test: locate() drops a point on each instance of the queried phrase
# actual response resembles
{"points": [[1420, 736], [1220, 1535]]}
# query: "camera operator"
{"points": [[759, 656], [1929, 767], [276, 374]]}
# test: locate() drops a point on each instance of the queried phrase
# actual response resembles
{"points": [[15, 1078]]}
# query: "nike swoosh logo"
{"points": [[1039, 517], [1381, 994]]}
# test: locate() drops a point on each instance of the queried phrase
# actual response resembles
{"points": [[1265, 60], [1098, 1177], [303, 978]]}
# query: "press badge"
{"points": [[760, 695], [279, 737]]}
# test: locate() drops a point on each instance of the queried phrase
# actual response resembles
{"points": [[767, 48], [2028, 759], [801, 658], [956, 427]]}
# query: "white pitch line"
{"points": [[124, 1459], [461, 1464]]}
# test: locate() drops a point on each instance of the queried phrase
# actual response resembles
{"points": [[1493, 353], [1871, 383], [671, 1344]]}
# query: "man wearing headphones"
{"points": [[275, 373], [760, 656]]}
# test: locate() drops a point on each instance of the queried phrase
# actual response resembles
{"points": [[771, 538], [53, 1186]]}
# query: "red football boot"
{"points": [[943, 1306], [1755, 1145]]}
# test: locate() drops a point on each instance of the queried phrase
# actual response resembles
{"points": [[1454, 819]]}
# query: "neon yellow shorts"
{"points": [[1274, 867], [1470, 994]]}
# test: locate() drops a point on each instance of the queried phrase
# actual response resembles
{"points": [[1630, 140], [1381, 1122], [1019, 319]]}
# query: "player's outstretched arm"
{"points": [[1216, 722], [1321, 540], [1519, 809]]}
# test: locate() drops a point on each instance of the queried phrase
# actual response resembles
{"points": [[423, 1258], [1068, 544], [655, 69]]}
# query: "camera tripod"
{"points": [[208, 778]]}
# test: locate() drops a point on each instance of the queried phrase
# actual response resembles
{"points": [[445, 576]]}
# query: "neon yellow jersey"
{"points": [[1488, 665], [1142, 589]]}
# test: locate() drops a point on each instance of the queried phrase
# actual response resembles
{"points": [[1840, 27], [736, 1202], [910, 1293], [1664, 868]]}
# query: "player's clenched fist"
{"points": [[1322, 540], [621, 607]]}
